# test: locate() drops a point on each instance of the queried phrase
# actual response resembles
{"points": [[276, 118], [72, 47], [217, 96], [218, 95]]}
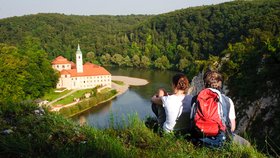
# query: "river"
{"points": [[134, 102]]}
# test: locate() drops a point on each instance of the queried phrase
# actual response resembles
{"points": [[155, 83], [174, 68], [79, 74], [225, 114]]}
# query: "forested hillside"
{"points": [[240, 38], [173, 40], [60, 34]]}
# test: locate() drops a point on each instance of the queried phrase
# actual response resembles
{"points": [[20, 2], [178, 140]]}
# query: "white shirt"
{"points": [[177, 110], [231, 110]]}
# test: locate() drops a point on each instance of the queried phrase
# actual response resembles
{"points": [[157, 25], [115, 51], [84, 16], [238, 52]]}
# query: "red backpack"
{"points": [[206, 114]]}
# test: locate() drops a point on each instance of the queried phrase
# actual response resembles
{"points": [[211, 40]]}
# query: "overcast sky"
{"points": [[9, 8]]}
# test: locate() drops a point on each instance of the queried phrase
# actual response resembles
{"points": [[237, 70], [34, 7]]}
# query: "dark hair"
{"points": [[180, 81], [211, 80]]}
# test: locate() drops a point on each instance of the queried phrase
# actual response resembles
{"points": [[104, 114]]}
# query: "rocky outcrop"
{"points": [[260, 120], [196, 84]]}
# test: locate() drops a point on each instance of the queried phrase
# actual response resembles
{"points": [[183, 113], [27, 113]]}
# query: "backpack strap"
{"points": [[226, 109], [193, 107]]}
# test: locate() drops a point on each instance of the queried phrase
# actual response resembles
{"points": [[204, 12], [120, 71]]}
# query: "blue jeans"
{"points": [[212, 142]]}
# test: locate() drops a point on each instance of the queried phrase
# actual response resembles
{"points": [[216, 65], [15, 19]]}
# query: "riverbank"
{"points": [[128, 81]]}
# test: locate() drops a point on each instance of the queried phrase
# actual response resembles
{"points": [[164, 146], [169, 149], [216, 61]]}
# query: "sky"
{"points": [[10, 8]]}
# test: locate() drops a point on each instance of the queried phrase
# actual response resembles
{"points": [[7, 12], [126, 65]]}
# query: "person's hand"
{"points": [[162, 92]]}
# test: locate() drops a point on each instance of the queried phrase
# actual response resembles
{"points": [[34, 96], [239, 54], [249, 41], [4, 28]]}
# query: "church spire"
{"points": [[78, 48], [79, 60]]}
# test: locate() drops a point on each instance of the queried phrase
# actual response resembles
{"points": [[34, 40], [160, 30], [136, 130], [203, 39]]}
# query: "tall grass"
{"points": [[51, 135]]}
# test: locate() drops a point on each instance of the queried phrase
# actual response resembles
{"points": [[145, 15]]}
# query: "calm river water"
{"points": [[134, 101]]}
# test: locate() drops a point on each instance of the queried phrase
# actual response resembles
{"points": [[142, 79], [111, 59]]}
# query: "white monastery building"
{"points": [[79, 76]]}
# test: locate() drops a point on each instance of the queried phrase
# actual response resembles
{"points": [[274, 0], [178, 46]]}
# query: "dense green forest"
{"points": [[176, 40], [239, 38]]}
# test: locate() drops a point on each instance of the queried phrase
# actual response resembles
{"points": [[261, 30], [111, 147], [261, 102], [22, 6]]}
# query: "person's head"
{"points": [[213, 79], [180, 82]]}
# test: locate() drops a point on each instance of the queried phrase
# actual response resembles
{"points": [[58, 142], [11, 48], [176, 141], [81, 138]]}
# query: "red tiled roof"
{"points": [[88, 70], [60, 60], [73, 65], [64, 72]]}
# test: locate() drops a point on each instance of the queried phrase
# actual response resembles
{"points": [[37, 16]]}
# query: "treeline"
{"points": [[176, 40], [60, 34]]}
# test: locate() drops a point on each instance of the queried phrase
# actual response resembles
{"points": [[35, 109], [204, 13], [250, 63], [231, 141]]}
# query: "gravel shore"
{"points": [[128, 81]]}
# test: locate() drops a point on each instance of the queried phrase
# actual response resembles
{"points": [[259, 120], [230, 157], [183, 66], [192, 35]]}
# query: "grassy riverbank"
{"points": [[32, 132], [88, 103]]}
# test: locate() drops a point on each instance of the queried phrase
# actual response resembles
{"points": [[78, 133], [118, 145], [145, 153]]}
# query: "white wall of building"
{"points": [[60, 67]]}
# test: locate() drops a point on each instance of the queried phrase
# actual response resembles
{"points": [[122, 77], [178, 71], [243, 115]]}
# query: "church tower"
{"points": [[79, 60]]}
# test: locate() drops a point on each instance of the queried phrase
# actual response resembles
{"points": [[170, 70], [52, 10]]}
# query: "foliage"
{"points": [[25, 73], [252, 69], [51, 135], [183, 36]]}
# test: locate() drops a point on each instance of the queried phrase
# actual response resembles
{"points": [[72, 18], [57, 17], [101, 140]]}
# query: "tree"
{"points": [[41, 76], [117, 59], [127, 61], [25, 74], [145, 62], [183, 63], [90, 56], [136, 61], [162, 63], [134, 50], [105, 59], [13, 75]]}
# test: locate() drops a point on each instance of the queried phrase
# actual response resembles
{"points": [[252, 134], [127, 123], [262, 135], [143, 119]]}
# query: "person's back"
{"points": [[176, 106], [213, 80], [177, 109], [183, 120]]}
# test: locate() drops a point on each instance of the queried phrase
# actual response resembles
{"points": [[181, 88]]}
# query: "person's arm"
{"points": [[157, 97], [233, 124], [157, 100], [162, 92], [232, 116]]}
